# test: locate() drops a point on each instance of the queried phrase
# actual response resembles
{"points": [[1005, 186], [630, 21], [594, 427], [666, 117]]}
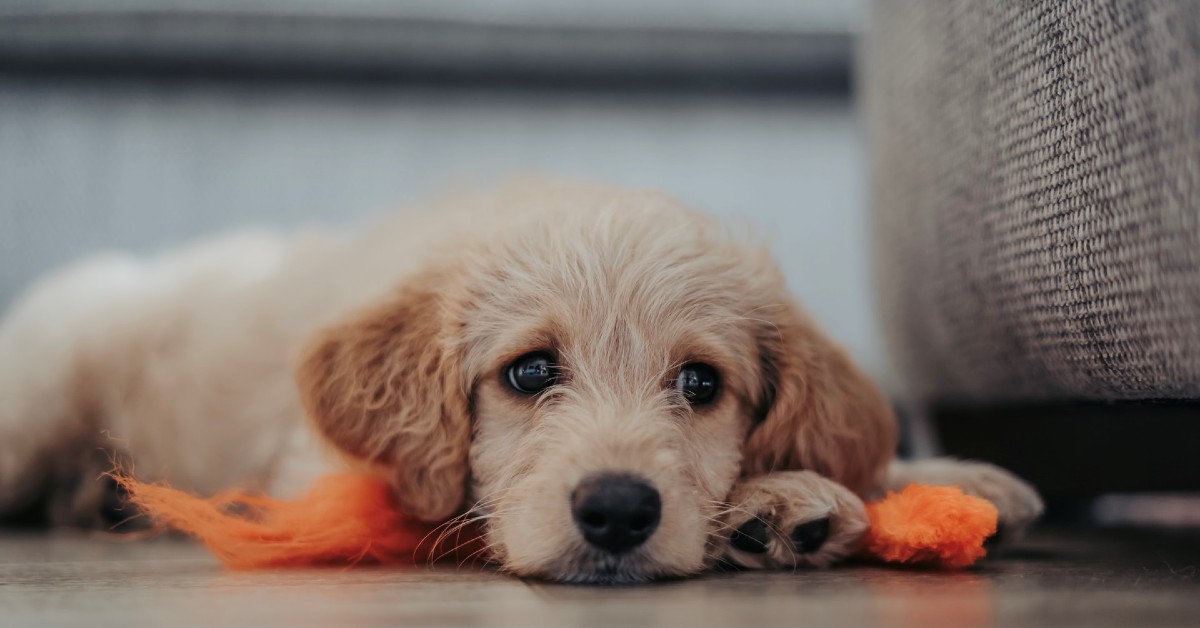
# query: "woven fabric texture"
{"points": [[1036, 196]]}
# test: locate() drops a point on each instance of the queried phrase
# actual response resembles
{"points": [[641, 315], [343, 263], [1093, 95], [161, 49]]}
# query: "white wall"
{"points": [[89, 166]]}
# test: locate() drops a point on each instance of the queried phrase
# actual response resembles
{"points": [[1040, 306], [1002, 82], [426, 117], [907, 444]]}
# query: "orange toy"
{"points": [[352, 518], [930, 525], [343, 519]]}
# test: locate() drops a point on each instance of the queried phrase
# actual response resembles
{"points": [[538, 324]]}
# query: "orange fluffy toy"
{"points": [[930, 525], [343, 519], [351, 518]]}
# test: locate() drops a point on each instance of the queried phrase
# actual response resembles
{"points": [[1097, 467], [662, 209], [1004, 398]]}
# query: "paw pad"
{"points": [[810, 536], [751, 537]]}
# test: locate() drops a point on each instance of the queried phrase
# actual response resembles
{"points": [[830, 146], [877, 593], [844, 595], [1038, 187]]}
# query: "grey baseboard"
{"points": [[274, 46]]}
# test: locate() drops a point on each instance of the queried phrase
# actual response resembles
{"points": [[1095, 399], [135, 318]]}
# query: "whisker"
{"points": [[732, 509], [448, 527]]}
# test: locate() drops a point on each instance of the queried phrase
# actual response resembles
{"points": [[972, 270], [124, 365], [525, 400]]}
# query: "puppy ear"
{"points": [[385, 388], [819, 411]]}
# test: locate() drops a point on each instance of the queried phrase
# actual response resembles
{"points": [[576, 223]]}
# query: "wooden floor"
{"points": [[1066, 577]]}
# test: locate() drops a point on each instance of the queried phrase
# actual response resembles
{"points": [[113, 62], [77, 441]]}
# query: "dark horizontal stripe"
{"points": [[1071, 450], [304, 47]]}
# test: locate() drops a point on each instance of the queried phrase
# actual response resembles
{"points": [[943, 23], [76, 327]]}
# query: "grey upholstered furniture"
{"points": [[1036, 198]]}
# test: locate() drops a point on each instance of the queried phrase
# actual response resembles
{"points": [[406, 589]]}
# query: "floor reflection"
{"points": [[907, 598]]}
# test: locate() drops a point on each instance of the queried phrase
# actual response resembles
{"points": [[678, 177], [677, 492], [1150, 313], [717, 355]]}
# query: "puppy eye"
{"points": [[697, 383], [532, 373]]}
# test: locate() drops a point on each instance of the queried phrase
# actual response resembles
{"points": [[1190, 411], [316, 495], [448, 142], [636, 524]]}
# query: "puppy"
{"points": [[613, 387]]}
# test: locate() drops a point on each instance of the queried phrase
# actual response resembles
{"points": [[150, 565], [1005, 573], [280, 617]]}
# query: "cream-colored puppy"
{"points": [[614, 387]]}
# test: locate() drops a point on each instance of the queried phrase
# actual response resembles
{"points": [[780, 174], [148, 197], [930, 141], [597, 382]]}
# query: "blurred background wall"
{"points": [[141, 125]]}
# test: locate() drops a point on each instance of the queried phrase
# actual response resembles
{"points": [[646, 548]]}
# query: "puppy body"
{"points": [[183, 365], [200, 368]]}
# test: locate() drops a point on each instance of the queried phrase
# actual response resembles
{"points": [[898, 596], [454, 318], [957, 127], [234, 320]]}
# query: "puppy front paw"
{"points": [[792, 519]]}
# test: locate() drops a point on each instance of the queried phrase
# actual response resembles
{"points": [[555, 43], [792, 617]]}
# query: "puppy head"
{"points": [[599, 380]]}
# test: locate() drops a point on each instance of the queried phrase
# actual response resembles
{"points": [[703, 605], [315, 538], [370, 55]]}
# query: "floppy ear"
{"points": [[819, 411], [385, 388]]}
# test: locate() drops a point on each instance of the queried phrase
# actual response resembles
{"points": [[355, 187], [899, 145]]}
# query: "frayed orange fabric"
{"points": [[930, 525], [343, 519]]}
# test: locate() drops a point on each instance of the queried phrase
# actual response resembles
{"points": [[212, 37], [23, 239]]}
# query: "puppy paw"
{"points": [[21, 475], [792, 519], [1018, 503]]}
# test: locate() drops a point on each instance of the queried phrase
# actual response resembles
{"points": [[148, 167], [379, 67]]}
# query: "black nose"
{"points": [[615, 513]]}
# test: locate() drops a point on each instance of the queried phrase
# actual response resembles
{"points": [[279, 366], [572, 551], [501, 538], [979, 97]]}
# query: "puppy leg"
{"points": [[1019, 504], [46, 426], [789, 519], [40, 432]]}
